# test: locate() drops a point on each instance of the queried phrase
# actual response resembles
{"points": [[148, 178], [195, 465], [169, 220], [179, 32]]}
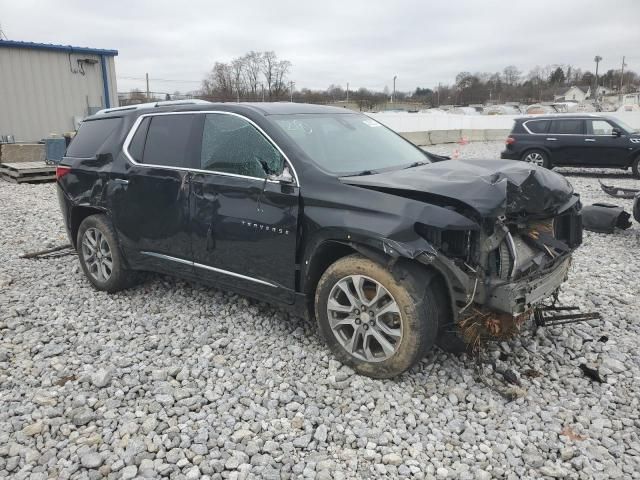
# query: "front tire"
{"points": [[100, 257], [377, 322], [537, 157]]}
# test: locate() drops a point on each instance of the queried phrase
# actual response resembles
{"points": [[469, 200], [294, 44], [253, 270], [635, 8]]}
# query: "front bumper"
{"points": [[519, 296]]}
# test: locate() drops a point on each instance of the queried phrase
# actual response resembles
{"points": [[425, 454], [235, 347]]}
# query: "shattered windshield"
{"points": [[349, 144]]}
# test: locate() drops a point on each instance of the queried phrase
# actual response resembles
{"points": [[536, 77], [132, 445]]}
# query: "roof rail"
{"points": [[164, 103]]}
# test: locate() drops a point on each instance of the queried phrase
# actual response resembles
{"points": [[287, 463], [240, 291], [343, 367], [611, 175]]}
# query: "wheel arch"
{"points": [[328, 251], [542, 148], [77, 215]]}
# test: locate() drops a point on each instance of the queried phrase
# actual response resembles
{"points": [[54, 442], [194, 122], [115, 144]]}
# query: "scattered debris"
{"points": [[546, 317], [531, 373], [618, 192], [511, 377], [591, 373], [58, 251], [571, 435], [603, 339], [68, 378], [604, 218], [479, 325]]}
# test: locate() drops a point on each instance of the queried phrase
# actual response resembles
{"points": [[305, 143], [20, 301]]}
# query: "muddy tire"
{"points": [[397, 326], [100, 256]]}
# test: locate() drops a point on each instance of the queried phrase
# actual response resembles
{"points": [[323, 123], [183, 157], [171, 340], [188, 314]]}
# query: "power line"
{"points": [[170, 80]]}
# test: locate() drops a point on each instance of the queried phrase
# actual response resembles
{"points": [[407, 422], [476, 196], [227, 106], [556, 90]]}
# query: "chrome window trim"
{"points": [[134, 129], [207, 267], [524, 125]]}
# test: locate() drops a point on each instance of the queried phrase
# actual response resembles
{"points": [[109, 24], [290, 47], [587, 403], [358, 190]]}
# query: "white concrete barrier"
{"points": [[442, 128]]}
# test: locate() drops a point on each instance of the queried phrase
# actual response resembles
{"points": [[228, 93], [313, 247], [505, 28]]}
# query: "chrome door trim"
{"points": [[207, 267], [136, 124]]}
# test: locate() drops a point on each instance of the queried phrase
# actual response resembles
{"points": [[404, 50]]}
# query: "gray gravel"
{"points": [[177, 380]]}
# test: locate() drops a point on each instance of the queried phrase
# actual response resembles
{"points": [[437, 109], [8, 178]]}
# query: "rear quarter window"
{"points": [[92, 135], [538, 126]]}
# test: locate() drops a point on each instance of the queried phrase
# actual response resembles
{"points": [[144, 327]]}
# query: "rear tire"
{"points": [[100, 256], [397, 326], [537, 157]]}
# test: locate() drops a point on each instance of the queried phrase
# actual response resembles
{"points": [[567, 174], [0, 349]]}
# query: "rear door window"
{"points": [[568, 127], [171, 141], [538, 126], [91, 137]]}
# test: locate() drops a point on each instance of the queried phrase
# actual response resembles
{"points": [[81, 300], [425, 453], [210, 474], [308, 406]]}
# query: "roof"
{"points": [[563, 116], [56, 48], [262, 108]]}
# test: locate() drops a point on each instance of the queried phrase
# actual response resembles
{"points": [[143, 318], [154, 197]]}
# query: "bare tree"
{"points": [[511, 75], [253, 62]]}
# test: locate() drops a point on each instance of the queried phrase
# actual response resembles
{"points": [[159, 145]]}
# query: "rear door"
{"points": [[605, 149], [568, 137], [151, 199], [244, 226]]}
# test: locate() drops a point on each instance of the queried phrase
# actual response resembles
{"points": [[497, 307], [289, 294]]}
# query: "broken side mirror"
{"points": [[283, 177]]}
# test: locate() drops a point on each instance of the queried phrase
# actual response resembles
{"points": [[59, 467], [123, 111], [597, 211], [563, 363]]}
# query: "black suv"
{"points": [[325, 211], [574, 140]]}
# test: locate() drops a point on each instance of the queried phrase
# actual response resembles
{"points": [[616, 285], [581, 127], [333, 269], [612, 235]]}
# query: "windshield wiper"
{"points": [[362, 173], [416, 164]]}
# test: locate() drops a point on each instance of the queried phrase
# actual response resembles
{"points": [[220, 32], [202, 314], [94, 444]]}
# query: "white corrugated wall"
{"points": [[41, 91]]}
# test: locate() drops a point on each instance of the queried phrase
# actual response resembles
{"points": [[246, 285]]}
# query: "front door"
{"points": [[244, 226], [605, 149], [151, 195]]}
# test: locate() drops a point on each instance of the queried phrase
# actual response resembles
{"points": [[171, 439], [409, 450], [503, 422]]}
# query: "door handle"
{"points": [[121, 181], [589, 139], [553, 139]]}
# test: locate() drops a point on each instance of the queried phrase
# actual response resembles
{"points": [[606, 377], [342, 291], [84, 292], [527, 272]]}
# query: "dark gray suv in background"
{"points": [[574, 141]]}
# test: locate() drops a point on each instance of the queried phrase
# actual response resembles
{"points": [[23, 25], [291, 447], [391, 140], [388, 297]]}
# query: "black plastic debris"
{"points": [[604, 218], [618, 192], [591, 373]]}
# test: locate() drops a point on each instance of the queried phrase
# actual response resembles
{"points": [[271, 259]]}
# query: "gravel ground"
{"points": [[177, 380]]}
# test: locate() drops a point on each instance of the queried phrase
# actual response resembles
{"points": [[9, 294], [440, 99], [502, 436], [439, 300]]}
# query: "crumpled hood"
{"points": [[491, 187]]}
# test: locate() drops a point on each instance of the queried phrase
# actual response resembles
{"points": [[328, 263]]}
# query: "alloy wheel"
{"points": [[535, 158], [96, 254], [364, 318]]}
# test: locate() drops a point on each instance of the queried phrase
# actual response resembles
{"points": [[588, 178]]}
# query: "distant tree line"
{"points": [[258, 76], [511, 85]]}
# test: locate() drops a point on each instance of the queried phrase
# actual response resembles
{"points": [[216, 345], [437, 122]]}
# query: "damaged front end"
{"points": [[528, 224]]}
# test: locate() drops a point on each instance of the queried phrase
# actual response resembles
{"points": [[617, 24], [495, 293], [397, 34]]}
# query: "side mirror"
{"points": [[284, 177], [616, 132]]}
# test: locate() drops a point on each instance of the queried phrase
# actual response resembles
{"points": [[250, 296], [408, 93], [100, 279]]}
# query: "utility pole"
{"points": [[2, 34], [347, 92], [597, 59], [622, 74], [393, 94], [291, 90], [262, 86], [148, 94]]}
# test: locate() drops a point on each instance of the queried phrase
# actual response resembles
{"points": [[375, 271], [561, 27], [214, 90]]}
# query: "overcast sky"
{"points": [[328, 42]]}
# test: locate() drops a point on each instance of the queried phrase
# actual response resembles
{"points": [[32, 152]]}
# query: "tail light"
{"points": [[510, 141], [61, 171]]}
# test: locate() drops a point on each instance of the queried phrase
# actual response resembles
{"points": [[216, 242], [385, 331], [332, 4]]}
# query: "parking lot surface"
{"points": [[183, 381]]}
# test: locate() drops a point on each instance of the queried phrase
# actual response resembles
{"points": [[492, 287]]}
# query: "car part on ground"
{"points": [[618, 192], [604, 218]]}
